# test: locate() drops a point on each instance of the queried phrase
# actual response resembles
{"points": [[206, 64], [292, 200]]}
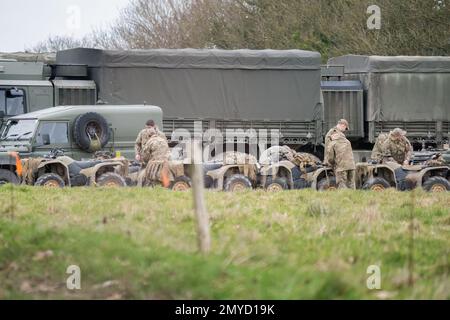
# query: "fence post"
{"points": [[202, 218]]}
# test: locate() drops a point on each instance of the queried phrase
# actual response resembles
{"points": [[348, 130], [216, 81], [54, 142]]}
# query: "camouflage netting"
{"points": [[248, 163], [284, 153], [155, 171], [29, 168]]}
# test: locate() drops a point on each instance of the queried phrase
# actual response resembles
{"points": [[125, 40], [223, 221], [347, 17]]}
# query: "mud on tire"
{"points": [[276, 184], [376, 184], [436, 184], [327, 184], [50, 180], [237, 182], [181, 183], [112, 180]]}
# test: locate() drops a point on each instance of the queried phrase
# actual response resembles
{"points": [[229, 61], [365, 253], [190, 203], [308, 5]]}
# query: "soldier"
{"points": [[377, 151], [398, 147], [341, 126], [340, 157], [151, 144]]}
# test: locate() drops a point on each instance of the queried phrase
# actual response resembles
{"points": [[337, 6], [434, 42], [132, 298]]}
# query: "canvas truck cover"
{"points": [[208, 84], [403, 88]]}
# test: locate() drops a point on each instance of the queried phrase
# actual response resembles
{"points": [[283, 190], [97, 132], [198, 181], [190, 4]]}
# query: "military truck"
{"points": [[219, 89], [76, 129], [411, 93], [31, 86]]}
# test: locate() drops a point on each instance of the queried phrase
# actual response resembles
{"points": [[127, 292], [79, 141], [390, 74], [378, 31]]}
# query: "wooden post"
{"points": [[202, 218]]}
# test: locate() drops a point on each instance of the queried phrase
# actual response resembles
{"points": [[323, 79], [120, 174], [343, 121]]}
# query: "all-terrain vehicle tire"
{"points": [[276, 184], [181, 183], [85, 125], [111, 180], [237, 182], [436, 184], [50, 180], [376, 184], [7, 176], [327, 184]]}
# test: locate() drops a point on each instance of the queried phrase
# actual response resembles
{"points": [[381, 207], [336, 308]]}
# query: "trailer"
{"points": [[215, 89]]}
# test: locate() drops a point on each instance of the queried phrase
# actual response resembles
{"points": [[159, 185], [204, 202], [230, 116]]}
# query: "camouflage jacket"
{"points": [[327, 143], [377, 151], [155, 149], [400, 150], [144, 136], [340, 153]]}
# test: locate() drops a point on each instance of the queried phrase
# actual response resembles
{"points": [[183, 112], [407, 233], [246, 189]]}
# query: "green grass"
{"points": [[141, 244]]}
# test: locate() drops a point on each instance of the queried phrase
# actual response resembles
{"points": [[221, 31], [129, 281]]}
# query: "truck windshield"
{"points": [[19, 129]]}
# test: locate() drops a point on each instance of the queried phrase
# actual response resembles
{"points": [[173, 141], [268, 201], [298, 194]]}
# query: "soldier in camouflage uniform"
{"points": [[341, 126], [340, 157], [398, 147], [151, 144], [377, 151]]}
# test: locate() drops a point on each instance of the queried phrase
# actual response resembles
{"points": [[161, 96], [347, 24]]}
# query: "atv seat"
{"points": [[412, 168], [211, 166], [86, 164]]}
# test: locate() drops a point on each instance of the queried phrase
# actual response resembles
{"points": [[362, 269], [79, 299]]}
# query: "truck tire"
{"points": [[436, 184], [181, 183], [376, 184], [276, 184], [50, 180], [327, 184], [88, 123], [111, 180], [7, 176], [237, 182]]}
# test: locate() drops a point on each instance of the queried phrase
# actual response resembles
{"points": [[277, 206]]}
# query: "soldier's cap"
{"points": [[344, 122], [398, 132]]}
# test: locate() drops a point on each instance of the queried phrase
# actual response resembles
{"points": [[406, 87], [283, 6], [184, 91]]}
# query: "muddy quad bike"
{"points": [[57, 170], [229, 177], [285, 175], [380, 176], [172, 174]]}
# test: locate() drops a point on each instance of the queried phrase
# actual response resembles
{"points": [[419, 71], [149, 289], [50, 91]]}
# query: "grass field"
{"points": [[141, 244]]}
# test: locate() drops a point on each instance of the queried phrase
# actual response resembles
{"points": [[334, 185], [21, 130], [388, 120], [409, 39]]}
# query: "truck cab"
{"points": [[30, 86]]}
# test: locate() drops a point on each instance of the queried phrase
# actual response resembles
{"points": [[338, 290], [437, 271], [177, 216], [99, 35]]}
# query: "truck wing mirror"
{"points": [[2, 114], [46, 139], [14, 92]]}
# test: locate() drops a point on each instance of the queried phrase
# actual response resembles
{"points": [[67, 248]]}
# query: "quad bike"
{"points": [[57, 170], [285, 169], [232, 172], [380, 176]]}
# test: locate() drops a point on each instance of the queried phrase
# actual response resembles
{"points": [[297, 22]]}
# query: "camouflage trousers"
{"points": [[346, 179]]}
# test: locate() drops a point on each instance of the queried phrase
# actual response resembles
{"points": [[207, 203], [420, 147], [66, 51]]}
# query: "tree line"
{"points": [[331, 27]]}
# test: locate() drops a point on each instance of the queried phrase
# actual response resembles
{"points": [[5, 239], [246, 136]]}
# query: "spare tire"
{"points": [[86, 127]]}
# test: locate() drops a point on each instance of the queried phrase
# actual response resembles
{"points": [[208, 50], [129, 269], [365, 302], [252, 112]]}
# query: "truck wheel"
{"points": [[88, 124], [237, 182], [327, 184], [436, 184], [7, 176], [181, 183], [276, 185], [376, 184], [50, 180], [111, 180]]}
